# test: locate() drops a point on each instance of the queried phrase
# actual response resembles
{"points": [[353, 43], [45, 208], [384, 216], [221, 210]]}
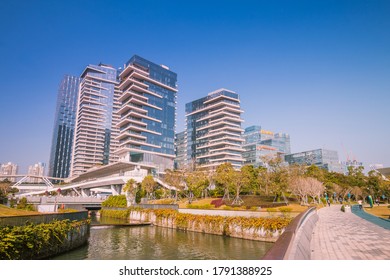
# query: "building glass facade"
{"points": [[147, 114], [261, 143], [180, 150], [64, 125], [326, 159], [95, 134], [213, 130]]}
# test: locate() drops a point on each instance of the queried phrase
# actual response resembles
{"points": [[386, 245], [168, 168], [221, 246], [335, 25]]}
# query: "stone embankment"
{"points": [[252, 228]]}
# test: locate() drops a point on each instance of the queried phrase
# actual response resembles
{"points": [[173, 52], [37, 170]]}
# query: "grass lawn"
{"points": [[380, 211], [6, 211]]}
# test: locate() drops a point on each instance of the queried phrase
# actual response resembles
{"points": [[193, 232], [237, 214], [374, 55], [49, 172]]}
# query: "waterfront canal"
{"points": [[151, 242]]}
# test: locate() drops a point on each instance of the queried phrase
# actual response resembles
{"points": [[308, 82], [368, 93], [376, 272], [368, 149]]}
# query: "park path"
{"points": [[345, 236]]}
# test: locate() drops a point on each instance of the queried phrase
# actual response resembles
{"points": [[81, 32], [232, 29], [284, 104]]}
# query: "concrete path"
{"points": [[345, 236]]}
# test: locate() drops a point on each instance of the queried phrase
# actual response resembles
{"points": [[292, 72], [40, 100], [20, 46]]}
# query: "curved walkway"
{"points": [[345, 236]]}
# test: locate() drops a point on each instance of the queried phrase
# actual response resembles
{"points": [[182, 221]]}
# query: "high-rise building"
{"points": [[280, 141], [9, 169], [213, 129], [326, 159], [180, 150], [260, 144], [147, 114], [96, 131], [37, 169], [64, 125]]}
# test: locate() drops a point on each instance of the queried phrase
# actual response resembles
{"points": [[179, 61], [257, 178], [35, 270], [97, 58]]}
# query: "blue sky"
{"points": [[318, 70]]}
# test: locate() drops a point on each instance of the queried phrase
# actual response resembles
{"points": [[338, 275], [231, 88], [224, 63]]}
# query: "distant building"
{"points": [[64, 126], [95, 129], [255, 153], [213, 130], [326, 159], [376, 166], [261, 143], [147, 114], [9, 169], [180, 150], [37, 169], [351, 163]]}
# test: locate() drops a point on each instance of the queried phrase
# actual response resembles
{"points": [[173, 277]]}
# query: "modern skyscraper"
{"points": [[147, 114], [326, 159], [37, 169], [9, 169], [180, 150], [261, 143], [64, 125], [213, 128], [96, 131]]}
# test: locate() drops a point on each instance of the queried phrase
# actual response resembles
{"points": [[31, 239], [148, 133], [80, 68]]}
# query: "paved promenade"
{"points": [[345, 236]]}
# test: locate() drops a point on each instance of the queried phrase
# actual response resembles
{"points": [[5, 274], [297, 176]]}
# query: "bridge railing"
{"points": [[64, 199]]}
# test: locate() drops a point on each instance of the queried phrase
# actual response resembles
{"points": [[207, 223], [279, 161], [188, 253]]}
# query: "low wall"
{"points": [[43, 239], [300, 247], [218, 225], [42, 218], [75, 238], [294, 243], [233, 213], [158, 206]]}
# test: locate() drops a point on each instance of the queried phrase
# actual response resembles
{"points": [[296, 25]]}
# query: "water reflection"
{"points": [[157, 243]]}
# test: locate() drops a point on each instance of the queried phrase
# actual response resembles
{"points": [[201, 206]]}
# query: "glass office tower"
{"points": [[147, 115], [95, 134], [180, 150], [326, 159], [64, 124], [213, 126], [260, 144]]}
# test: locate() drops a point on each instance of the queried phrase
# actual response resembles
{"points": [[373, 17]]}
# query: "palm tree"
{"points": [[130, 190]]}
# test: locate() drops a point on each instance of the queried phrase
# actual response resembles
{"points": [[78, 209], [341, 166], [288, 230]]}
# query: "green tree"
{"points": [[375, 184], [224, 178], [250, 174], [175, 178], [315, 172], [148, 184], [197, 182], [279, 177], [263, 180]]}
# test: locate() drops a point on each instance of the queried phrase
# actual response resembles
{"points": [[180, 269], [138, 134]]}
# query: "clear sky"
{"points": [[318, 70]]}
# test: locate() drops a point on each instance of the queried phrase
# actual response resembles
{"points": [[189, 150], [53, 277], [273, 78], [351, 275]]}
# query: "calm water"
{"points": [[150, 242]]}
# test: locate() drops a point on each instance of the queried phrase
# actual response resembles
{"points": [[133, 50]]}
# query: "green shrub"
{"points": [[23, 205], [28, 242], [115, 201], [203, 206], [285, 209]]}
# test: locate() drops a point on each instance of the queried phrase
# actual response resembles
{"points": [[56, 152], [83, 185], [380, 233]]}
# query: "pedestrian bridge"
{"points": [[111, 185], [108, 179]]}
